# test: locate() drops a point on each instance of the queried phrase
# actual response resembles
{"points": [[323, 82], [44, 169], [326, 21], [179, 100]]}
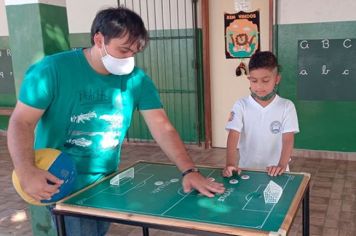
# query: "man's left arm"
{"points": [[168, 139]]}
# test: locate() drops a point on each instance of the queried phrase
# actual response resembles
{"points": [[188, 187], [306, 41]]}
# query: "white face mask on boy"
{"points": [[118, 66]]}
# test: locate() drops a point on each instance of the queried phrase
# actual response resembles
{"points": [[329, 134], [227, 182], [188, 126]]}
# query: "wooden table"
{"points": [[154, 198]]}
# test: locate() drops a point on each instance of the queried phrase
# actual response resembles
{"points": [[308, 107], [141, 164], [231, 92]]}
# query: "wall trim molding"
{"points": [[332, 155]]}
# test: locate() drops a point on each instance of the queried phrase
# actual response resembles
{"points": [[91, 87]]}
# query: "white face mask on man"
{"points": [[118, 66]]}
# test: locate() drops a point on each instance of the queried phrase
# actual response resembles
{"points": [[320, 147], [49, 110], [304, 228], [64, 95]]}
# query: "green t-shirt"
{"points": [[86, 114]]}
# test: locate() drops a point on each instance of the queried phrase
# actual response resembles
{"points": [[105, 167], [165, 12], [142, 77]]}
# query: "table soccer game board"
{"points": [[155, 190]]}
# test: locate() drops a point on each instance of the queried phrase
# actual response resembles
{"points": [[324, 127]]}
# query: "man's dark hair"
{"points": [[119, 22], [263, 59]]}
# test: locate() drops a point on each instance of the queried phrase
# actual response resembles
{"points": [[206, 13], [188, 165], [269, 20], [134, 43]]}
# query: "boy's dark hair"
{"points": [[116, 23], [263, 59]]}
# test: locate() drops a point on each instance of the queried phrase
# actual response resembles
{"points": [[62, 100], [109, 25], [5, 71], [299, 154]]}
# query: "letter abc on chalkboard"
{"points": [[326, 69]]}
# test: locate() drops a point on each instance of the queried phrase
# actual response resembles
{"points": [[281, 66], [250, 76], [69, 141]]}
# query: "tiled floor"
{"points": [[332, 202]]}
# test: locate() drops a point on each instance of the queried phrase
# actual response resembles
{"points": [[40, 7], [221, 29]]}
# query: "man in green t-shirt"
{"points": [[81, 102]]}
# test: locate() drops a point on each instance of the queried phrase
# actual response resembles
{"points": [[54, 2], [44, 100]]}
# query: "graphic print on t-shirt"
{"points": [[276, 127], [97, 124]]}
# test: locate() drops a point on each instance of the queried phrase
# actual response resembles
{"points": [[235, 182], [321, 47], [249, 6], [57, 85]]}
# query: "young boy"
{"points": [[262, 125]]}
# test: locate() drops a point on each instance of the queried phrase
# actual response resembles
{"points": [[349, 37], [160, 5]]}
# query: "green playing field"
{"points": [[156, 190]]}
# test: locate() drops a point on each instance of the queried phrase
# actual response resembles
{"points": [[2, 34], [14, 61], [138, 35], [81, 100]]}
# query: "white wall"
{"points": [[4, 30], [81, 13], [226, 88], [315, 11]]}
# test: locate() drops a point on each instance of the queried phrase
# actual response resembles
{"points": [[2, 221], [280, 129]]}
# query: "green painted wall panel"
{"points": [[24, 30], [54, 25], [324, 125], [4, 121], [4, 42], [80, 40], [7, 100]]}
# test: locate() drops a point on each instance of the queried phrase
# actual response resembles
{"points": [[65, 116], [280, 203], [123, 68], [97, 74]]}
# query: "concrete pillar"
{"points": [[36, 28]]}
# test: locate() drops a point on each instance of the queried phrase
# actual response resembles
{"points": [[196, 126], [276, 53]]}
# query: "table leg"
{"points": [[61, 229], [306, 213], [145, 231]]}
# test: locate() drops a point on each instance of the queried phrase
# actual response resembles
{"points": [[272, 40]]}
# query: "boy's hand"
{"points": [[229, 170], [276, 170], [206, 187]]}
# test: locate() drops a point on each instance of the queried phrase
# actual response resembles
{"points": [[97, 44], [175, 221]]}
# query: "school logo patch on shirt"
{"points": [[276, 127], [232, 115]]}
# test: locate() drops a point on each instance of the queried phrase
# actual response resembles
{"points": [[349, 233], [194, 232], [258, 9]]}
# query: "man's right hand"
{"points": [[201, 184], [229, 170], [37, 183]]}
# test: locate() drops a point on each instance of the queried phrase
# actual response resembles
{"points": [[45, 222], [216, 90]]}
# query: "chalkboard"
{"points": [[7, 83], [327, 69]]}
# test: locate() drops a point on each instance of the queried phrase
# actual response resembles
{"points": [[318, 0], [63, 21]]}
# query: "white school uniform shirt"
{"points": [[261, 129]]}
